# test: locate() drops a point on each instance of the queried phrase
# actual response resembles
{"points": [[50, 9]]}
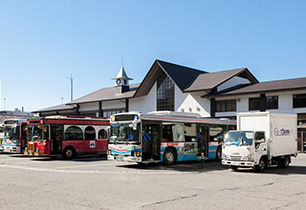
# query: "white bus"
{"points": [[165, 137]]}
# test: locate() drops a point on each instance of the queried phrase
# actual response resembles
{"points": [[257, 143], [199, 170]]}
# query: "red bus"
{"points": [[67, 136]]}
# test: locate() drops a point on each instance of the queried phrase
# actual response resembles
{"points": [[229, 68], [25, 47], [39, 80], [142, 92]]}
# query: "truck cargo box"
{"points": [[280, 130]]}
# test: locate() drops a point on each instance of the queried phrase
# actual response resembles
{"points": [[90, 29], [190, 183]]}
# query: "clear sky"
{"points": [[42, 42]]}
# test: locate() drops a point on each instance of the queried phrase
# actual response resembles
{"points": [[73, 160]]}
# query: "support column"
{"points": [[77, 110], [126, 105], [212, 107], [100, 109], [262, 102]]}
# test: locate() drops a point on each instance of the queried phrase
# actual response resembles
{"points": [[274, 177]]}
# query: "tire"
{"points": [[285, 162], [234, 168], [169, 157], [219, 154], [69, 153], [261, 166]]}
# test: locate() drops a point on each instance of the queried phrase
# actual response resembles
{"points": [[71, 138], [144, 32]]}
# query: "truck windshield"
{"points": [[239, 138], [124, 132], [11, 132]]}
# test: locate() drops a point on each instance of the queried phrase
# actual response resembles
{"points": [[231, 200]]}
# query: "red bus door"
{"points": [[56, 140]]}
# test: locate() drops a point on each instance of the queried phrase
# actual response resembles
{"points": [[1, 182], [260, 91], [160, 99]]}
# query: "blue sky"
{"points": [[42, 42]]}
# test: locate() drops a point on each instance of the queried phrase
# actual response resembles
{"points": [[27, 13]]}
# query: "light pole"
{"points": [[71, 81], [4, 104]]}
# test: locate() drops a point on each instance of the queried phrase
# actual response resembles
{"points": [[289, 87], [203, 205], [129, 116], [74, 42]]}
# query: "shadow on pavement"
{"points": [[190, 166], [300, 170]]}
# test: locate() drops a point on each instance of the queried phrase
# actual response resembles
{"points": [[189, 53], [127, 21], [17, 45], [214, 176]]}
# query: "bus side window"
{"points": [[190, 132], [90, 133], [167, 133], [74, 133], [102, 134]]}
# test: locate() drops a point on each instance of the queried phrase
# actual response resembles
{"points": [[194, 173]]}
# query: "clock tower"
{"points": [[122, 80]]}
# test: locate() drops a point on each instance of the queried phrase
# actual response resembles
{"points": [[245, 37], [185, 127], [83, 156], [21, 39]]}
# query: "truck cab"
{"points": [[244, 149]]}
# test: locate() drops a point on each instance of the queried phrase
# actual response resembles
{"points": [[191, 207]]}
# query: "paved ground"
{"points": [[95, 183]]}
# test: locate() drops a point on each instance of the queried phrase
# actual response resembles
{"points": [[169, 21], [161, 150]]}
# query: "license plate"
{"points": [[119, 158]]}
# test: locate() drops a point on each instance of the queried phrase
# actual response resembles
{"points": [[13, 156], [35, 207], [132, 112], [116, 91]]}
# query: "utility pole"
{"points": [[71, 81]]}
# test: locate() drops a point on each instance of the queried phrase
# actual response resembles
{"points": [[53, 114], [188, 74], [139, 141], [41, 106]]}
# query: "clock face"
{"points": [[118, 81]]}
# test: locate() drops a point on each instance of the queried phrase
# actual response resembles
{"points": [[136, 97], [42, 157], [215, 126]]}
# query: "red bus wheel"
{"points": [[69, 153]]}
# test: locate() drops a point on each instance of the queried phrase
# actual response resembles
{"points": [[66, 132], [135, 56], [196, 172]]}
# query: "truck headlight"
{"points": [[249, 157], [225, 157]]}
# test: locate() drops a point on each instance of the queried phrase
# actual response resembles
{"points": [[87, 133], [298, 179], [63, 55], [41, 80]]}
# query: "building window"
{"points": [[299, 100], [272, 102], [108, 113], [225, 105], [165, 93], [254, 103]]}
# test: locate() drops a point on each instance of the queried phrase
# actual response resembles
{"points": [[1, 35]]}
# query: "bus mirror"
{"points": [[133, 125]]}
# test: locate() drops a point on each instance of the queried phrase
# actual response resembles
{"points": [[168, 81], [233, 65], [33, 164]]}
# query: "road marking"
{"points": [[89, 165], [126, 172]]}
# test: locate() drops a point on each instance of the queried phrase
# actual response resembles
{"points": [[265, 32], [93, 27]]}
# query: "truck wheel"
{"points": [[69, 153], [219, 154], [285, 162], [169, 157], [261, 166]]}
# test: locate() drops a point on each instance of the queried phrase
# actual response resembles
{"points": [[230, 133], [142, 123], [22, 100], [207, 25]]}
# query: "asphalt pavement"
{"points": [[97, 183]]}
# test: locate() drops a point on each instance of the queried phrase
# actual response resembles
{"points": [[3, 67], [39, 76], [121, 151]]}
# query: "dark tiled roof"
{"points": [[61, 107], [262, 87], [181, 76], [106, 94], [211, 80]]}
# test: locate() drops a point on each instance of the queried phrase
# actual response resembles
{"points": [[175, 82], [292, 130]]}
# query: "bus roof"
{"points": [[179, 117], [61, 119]]}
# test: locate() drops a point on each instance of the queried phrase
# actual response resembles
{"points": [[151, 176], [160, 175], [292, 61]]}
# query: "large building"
{"points": [[168, 86]]}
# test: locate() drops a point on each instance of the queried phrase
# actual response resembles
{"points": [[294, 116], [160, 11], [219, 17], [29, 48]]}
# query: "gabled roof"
{"points": [[263, 87], [181, 76], [107, 94], [212, 80]]}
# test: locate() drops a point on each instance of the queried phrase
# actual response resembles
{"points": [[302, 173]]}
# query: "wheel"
{"points": [[69, 153], [285, 162], [169, 157], [219, 154], [234, 168], [261, 166]]}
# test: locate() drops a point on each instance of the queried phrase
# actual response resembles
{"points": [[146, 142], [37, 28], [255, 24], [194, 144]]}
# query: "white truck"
{"points": [[262, 139]]}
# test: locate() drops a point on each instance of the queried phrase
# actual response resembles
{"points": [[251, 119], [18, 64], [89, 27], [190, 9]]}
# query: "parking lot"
{"points": [[96, 183]]}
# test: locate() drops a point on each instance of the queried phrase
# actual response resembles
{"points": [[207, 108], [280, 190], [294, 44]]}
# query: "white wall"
{"points": [[110, 105], [285, 103], [89, 107], [233, 82], [191, 102], [146, 103]]}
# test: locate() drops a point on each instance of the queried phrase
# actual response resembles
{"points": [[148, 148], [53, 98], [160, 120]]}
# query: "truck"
{"points": [[262, 139]]}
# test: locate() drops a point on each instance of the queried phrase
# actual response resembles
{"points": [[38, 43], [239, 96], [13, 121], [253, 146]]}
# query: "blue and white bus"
{"points": [[14, 140], [165, 137]]}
